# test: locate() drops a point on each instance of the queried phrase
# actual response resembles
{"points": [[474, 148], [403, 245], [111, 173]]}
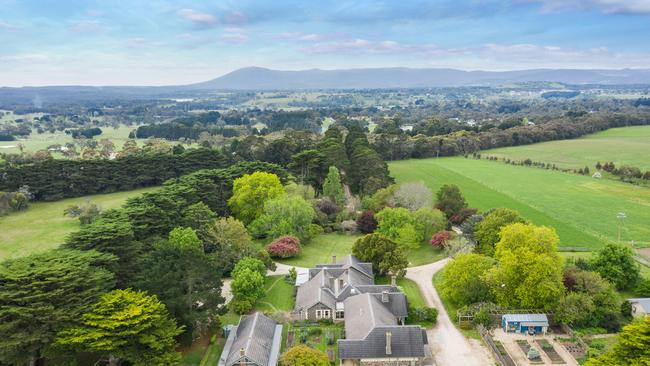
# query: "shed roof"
{"points": [[644, 302], [526, 318]]}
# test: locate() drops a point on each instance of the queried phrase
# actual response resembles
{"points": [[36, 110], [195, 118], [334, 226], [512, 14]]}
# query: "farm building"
{"points": [[640, 307], [525, 323]]}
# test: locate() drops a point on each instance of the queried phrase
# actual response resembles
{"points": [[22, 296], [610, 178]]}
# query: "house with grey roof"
{"points": [[323, 294], [373, 335], [640, 307], [255, 341]]}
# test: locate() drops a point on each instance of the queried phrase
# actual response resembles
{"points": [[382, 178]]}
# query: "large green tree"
{"points": [[126, 325], [186, 280], [284, 216], [250, 193], [228, 241], [303, 355], [632, 348], [332, 187], [615, 263], [463, 279], [450, 200], [486, 232], [385, 255], [42, 293], [529, 270]]}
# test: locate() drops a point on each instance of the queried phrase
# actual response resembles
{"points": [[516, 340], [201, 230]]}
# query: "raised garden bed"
{"points": [[550, 351], [503, 353], [525, 347]]}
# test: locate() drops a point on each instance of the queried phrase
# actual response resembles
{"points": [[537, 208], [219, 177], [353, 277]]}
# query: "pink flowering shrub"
{"points": [[284, 247], [439, 239]]}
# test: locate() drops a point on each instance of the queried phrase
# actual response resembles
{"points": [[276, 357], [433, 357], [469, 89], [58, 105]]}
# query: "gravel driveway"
{"points": [[448, 345]]}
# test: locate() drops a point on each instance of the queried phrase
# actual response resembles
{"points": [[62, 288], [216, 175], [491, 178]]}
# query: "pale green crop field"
{"points": [[626, 145], [582, 209], [42, 226], [41, 141]]}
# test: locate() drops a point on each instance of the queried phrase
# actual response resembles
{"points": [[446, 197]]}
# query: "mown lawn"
{"points": [[321, 249], [582, 209], [626, 145], [42, 226], [279, 295]]}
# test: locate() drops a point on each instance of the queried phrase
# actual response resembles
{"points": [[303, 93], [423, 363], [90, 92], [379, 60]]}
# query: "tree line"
{"points": [[54, 179], [398, 146]]}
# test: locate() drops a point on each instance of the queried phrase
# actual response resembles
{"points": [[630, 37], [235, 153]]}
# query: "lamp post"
{"points": [[620, 216]]}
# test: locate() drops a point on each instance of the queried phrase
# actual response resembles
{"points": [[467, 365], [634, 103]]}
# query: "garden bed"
{"points": [[525, 346], [319, 336], [550, 351]]}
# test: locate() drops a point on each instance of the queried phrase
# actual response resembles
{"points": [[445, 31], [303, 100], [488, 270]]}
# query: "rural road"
{"points": [[448, 345]]}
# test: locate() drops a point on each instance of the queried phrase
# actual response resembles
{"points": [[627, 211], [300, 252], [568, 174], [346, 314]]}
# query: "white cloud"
{"points": [[198, 18], [234, 35], [605, 6]]}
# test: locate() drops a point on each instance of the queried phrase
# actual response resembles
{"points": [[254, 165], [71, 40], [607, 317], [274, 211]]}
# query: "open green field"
{"points": [[42, 226], [626, 145], [41, 141], [321, 249], [582, 209]]}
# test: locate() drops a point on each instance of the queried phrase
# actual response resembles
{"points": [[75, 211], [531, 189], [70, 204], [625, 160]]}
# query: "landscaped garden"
{"points": [[321, 336]]}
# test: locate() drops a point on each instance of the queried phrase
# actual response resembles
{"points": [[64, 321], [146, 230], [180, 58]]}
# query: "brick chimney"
{"points": [[389, 337], [393, 280], [333, 259]]}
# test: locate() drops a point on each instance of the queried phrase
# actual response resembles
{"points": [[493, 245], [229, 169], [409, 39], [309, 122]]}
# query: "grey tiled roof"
{"points": [[258, 336], [364, 312], [396, 303], [406, 341]]}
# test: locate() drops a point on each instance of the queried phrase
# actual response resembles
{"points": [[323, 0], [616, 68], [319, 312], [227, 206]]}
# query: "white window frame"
{"points": [[341, 312], [319, 314], [327, 314]]}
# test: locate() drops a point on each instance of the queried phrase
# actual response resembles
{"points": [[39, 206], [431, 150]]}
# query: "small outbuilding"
{"points": [[640, 307], [525, 323]]}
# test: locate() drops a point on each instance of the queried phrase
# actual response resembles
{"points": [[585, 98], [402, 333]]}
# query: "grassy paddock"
{"points": [[586, 151], [581, 209], [42, 226], [321, 249]]}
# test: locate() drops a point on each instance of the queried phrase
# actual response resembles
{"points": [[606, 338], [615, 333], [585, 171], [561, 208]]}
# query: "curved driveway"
{"points": [[448, 345]]}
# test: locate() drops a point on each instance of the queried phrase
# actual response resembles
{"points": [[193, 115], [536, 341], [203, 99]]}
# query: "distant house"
{"points": [[373, 336], [323, 294], [525, 323], [640, 307], [255, 341]]}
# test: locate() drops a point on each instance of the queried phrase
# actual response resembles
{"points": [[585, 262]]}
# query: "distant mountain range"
{"points": [[257, 78]]}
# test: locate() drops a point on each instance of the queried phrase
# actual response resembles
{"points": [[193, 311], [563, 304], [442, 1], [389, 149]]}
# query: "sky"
{"points": [[161, 42]]}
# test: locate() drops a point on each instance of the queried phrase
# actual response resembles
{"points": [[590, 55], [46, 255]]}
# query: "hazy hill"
{"points": [[258, 78]]}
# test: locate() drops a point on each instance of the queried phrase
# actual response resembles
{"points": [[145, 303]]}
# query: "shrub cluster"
{"points": [[284, 247]]}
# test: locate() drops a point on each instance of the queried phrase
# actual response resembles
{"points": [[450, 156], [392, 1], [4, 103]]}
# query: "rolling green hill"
{"points": [[581, 209], [586, 151]]}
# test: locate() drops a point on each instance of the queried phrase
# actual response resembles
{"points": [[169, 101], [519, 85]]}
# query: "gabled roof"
{"points": [[364, 312], [526, 318], [258, 337], [643, 302], [406, 341]]}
